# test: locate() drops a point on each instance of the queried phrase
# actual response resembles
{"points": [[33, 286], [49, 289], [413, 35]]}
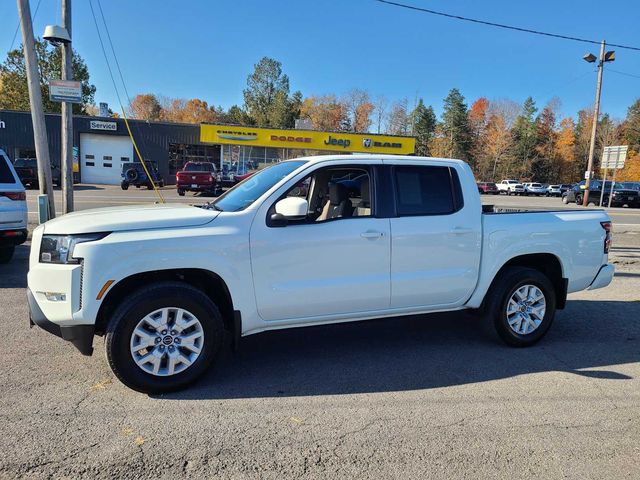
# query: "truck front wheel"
{"points": [[522, 305], [163, 337]]}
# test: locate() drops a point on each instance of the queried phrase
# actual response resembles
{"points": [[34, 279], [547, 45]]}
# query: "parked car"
{"points": [[488, 188], [239, 178], [534, 189], [27, 170], [621, 196], [13, 210], [196, 177], [134, 174], [556, 190], [510, 187], [631, 185], [266, 255]]}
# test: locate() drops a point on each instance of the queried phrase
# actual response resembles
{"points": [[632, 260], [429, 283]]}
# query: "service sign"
{"points": [[65, 91], [98, 125], [307, 139]]}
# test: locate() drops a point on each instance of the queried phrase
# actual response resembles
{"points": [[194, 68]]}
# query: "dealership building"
{"points": [[102, 144]]}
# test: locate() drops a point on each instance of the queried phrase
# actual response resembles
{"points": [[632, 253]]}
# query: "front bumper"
{"points": [[13, 237], [81, 336], [603, 278]]}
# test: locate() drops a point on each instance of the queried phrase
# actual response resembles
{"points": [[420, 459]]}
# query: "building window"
{"points": [[106, 165], [106, 157], [89, 157], [124, 159], [89, 164]]}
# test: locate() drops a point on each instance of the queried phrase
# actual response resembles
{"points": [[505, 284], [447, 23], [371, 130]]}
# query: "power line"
{"points": [[500, 25], [15, 34], [623, 73]]}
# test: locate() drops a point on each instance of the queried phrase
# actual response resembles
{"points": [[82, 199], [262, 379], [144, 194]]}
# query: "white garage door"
{"points": [[102, 157]]}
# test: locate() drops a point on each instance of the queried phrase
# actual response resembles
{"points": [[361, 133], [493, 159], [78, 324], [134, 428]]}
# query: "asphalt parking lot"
{"points": [[411, 397]]}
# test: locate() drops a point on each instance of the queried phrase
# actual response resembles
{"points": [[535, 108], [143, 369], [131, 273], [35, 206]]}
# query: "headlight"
{"points": [[59, 248]]}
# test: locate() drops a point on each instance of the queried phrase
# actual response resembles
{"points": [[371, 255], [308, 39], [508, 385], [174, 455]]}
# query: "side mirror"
{"points": [[292, 208]]}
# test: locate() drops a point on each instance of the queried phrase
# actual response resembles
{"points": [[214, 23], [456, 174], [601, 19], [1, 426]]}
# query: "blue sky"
{"points": [[206, 49]]}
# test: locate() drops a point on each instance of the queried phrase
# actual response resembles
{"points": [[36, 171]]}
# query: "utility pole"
{"points": [[35, 99], [66, 160], [592, 146]]}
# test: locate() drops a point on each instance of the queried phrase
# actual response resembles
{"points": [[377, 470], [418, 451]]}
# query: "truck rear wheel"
{"points": [[163, 337], [522, 305]]}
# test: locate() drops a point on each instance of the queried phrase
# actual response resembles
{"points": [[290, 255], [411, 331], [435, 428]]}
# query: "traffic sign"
{"points": [[614, 157]]}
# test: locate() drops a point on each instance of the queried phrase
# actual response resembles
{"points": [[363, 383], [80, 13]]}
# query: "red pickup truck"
{"points": [[196, 177]]}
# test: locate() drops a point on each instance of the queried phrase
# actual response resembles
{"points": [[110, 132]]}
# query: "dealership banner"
{"points": [[307, 139]]}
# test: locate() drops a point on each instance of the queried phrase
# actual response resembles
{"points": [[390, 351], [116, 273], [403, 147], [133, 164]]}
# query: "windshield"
{"points": [[198, 167], [25, 162], [250, 189]]}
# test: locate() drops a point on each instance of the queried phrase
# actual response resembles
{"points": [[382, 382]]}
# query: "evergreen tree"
{"points": [[525, 137], [455, 126], [632, 126], [14, 93], [424, 125]]}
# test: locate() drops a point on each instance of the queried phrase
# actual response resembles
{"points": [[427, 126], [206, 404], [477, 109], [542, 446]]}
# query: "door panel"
{"points": [[102, 157], [327, 268]]}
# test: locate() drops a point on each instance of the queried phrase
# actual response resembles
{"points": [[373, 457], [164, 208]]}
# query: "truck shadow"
{"points": [[14, 273], [419, 352]]}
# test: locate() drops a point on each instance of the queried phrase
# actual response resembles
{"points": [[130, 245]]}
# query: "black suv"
{"points": [[27, 170], [621, 196], [133, 173]]}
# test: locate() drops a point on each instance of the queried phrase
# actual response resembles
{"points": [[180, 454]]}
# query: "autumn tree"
{"points": [[267, 98], [478, 119], [194, 110], [424, 125], [565, 151], [325, 112], [359, 109], [583, 139], [497, 158], [146, 106], [14, 93], [456, 131]]}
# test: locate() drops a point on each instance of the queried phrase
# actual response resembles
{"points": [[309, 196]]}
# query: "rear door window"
{"points": [[6, 175], [428, 190]]}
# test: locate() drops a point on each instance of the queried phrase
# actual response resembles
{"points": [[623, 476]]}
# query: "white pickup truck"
{"points": [[304, 242]]}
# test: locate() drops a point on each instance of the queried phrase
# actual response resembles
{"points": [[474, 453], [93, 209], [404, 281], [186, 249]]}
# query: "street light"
{"points": [[60, 36], [609, 56]]}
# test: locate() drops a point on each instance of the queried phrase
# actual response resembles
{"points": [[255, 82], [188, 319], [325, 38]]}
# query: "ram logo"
{"points": [[366, 142]]}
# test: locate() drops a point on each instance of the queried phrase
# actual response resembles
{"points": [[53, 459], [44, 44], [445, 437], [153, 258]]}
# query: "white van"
{"points": [[13, 210]]}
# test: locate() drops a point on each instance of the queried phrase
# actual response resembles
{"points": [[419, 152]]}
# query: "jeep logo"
{"points": [[340, 142]]}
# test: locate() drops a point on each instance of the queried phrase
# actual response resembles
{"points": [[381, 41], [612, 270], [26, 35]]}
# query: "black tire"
{"points": [[144, 301], [149, 186], [6, 253], [181, 192], [124, 185], [501, 291], [578, 199]]}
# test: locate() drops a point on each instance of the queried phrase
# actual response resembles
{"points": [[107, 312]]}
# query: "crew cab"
{"points": [[196, 177], [13, 210], [510, 187], [27, 170], [304, 242]]}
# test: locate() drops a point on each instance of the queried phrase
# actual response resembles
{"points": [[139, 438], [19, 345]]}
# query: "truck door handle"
{"points": [[460, 231], [371, 234]]}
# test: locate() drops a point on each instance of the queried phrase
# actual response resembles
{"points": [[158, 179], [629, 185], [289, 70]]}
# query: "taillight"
{"points": [[14, 195], [608, 227]]}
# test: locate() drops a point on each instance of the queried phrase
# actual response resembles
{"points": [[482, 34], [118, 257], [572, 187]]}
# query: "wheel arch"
{"points": [[209, 282], [546, 263]]}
